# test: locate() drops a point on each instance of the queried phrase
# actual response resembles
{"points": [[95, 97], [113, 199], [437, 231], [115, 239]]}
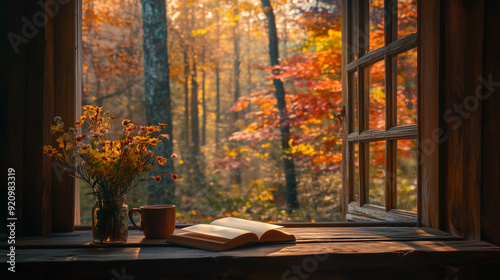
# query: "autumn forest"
{"points": [[251, 92]]}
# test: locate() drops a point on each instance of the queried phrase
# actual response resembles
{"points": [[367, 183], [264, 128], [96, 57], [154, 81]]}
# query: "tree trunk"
{"points": [[157, 92], [195, 121], [291, 180], [217, 81], [186, 95], [185, 44], [203, 89], [203, 100], [236, 173], [195, 125]]}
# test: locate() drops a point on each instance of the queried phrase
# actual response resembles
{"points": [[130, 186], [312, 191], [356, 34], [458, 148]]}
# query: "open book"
{"points": [[226, 233]]}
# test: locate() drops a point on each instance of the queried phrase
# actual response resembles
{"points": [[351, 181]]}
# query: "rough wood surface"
{"points": [[82, 239], [402, 132], [490, 153], [462, 116], [319, 253], [375, 213], [429, 113], [395, 47], [65, 36]]}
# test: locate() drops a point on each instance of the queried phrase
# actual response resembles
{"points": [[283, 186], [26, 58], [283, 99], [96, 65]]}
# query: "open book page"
{"points": [[216, 231], [258, 228]]}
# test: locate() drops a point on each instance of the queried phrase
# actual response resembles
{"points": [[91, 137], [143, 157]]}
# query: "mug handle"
{"points": [[131, 214]]}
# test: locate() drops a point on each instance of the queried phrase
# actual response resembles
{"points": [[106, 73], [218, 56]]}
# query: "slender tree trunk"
{"points": [[236, 63], [195, 126], [203, 100], [186, 95], [291, 180], [195, 121], [203, 89], [236, 173], [217, 79], [187, 35], [157, 92]]}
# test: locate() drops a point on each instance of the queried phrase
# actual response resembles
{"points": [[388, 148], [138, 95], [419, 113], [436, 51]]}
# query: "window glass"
{"points": [[407, 17], [377, 173], [376, 24], [407, 174], [226, 124], [407, 88], [376, 96]]}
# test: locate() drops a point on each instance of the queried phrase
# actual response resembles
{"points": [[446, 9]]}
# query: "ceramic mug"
{"points": [[157, 221]]}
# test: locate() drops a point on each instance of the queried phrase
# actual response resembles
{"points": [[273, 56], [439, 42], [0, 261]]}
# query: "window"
{"points": [[230, 160], [380, 101]]}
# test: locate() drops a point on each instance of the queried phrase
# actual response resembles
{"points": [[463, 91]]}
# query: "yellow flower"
{"points": [[56, 128], [49, 150], [142, 139], [88, 108], [154, 141], [63, 142], [161, 160], [126, 122]]}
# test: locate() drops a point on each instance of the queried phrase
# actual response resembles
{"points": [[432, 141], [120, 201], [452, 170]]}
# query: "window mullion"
{"points": [[390, 14]]}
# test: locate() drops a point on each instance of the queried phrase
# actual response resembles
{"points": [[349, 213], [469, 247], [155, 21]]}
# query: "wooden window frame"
{"points": [[428, 120], [355, 42]]}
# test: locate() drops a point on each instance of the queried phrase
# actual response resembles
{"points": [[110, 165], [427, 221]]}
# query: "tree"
{"points": [[157, 90], [291, 180]]}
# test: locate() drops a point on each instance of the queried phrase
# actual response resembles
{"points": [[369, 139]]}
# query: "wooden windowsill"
{"points": [[319, 252]]}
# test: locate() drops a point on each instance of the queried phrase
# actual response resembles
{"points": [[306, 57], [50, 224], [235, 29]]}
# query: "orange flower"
{"points": [[162, 124], [165, 136], [157, 178], [161, 160], [153, 141], [125, 122], [63, 142], [49, 150]]}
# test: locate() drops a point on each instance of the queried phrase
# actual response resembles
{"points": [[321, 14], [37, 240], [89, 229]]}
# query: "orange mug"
{"points": [[157, 221]]}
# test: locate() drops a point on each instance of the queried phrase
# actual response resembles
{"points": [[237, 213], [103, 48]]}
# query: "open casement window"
{"points": [[380, 110]]}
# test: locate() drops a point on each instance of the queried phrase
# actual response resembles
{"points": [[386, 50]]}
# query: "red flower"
{"points": [[174, 176], [157, 178]]}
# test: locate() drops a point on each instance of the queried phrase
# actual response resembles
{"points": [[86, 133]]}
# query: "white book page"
{"points": [[258, 228], [217, 231]]}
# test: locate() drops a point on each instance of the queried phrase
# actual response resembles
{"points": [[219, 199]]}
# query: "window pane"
{"points": [[407, 17], [407, 87], [407, 174], [377, 173], [376, 91], [226, 131], [356, 184], [376, 24]]}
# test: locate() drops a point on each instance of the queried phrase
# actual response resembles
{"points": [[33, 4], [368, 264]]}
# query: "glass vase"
{"points": [[110, 220]]}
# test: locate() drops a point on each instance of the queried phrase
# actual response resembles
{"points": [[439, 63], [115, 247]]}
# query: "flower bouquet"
{"points": [[111, 167]]}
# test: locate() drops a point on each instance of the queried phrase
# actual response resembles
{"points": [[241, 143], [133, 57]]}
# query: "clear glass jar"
{"points": [[110, 220]]}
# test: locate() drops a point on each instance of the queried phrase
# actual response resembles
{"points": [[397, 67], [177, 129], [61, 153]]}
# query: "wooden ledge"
{"points": [[322, 252]]}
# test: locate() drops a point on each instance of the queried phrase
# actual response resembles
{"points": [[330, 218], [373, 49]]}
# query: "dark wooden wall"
{"points": [[37, 83], [490, 128], [460, 178]]}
